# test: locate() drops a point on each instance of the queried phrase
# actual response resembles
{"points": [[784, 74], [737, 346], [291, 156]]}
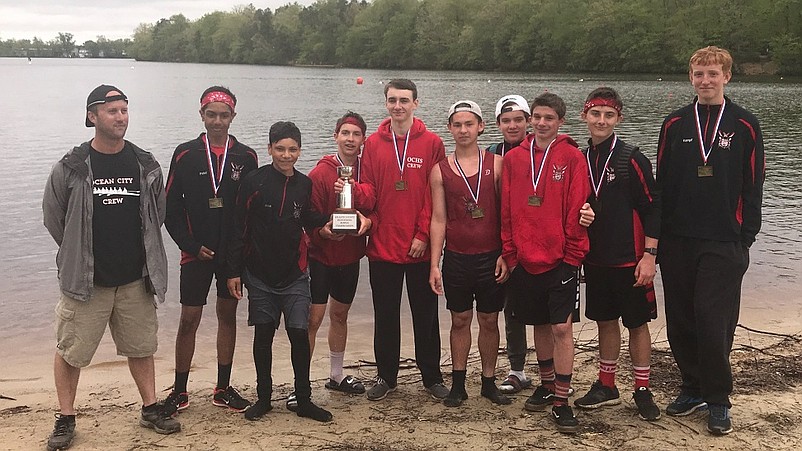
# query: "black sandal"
{"points": [[347, 385]]}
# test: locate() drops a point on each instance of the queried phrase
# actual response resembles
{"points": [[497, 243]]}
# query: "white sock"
{"points": [[519, 374], [336, 366]]}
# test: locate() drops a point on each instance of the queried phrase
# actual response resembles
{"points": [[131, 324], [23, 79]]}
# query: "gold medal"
{"points": [[704, 171], [401, 185], [477, 213], [535, 201], [215, 202]]}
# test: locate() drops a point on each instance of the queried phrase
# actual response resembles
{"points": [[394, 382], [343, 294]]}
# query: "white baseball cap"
{"points": [[511, 103]]}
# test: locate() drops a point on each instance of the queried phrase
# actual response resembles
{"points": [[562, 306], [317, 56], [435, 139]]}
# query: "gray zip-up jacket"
{"points": [[67, 208]]}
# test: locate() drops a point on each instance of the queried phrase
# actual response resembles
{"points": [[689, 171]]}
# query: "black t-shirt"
{"points": [[116, 224]]}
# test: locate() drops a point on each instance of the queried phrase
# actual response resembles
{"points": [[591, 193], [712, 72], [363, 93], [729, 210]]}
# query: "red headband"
{"points": [[218, 96], [350, 120], [598, 101]]}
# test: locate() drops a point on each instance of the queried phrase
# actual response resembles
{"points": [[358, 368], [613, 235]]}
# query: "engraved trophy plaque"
{"points": [[344, 219]]}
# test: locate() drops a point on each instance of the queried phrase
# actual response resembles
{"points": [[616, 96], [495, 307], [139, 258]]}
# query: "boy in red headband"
{"points": [[198, 209], [620, 265], [334, 258]]}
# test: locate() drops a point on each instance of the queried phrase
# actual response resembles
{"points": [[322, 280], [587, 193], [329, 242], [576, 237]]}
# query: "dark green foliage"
{"points": [[637, 36]]}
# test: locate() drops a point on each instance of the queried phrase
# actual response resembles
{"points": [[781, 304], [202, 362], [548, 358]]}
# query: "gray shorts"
{"points": [[130, 312], [266, 304]]}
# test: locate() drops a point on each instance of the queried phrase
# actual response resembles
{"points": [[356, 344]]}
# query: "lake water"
{"points": [[43, 116]]}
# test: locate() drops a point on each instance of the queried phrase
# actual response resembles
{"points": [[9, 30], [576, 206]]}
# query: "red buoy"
{"points": [[359, 80]]}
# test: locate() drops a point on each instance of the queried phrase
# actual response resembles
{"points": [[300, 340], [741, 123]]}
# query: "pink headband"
{"points": [[350, 120], [218, 96], [598, 101]]}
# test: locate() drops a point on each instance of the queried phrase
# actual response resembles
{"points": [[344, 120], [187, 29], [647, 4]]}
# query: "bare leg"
{"points": [[488, 342], [144, 374], [226, 330], [563, 347], [185, 339], [640, 345], [66, 377], [338, 326], [610, 339], [316, 314], [461, 339]]}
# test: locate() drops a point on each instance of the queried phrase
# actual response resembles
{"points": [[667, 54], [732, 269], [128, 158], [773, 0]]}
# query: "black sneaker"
{"points": [[541, 398], [230, 397], [175, 401], [647, 409], [598, 396], [685, 405], [159, 420], [719, 421], [63, 433], [564, 417]]}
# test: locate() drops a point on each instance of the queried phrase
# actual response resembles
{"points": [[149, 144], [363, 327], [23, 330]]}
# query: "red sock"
{"points": [[562, 384], [607, 372], [546, 369], [641, 376]]}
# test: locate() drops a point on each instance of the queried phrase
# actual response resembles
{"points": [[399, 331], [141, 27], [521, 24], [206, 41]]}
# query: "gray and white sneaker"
{"points": [[438, 391], [380, 390]]}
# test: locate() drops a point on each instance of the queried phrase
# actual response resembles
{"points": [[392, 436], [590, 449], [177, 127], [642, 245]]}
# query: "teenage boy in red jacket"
{"points": [[396, 164], [465, 217], [334, 258], [544, 185]]}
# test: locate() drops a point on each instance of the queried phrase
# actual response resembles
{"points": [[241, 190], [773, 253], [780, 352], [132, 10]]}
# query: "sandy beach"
{"points": [[767, 409]]}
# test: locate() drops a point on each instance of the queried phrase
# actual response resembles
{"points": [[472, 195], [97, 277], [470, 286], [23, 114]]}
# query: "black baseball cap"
{"points": [[100, 95]]}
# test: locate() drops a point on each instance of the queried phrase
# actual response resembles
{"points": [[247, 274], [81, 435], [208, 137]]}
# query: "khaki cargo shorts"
{"points": [[130, 312]]}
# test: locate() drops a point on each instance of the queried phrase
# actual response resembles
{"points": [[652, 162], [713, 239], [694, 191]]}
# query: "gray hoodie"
{"points": [[67, 209]]}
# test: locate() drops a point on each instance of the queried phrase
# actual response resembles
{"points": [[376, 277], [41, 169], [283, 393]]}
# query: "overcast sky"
{"points": [[114, 19]]}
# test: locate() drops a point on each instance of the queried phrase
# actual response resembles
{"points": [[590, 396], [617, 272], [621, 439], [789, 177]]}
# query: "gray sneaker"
{"points": [[380, 390], [63, 433], [158, 420], [438, 391]]}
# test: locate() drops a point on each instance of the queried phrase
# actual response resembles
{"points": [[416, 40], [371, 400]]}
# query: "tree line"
{"points": [[64, 46], [637, 36]]}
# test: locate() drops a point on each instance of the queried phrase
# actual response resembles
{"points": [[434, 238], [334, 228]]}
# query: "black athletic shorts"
{"points": [[196, 279], [610, 295], [472, 277], [547, 298], [338, 281]]}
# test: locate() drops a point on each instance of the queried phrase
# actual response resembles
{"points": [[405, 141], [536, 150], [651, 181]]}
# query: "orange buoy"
{"points": [[359, 80]]}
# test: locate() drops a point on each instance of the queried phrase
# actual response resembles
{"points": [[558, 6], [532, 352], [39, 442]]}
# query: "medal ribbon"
{"points": [[706, 152], [478, 177], [358, 164], [400, 158], [216, 181], [597, 186], [536, 181]]}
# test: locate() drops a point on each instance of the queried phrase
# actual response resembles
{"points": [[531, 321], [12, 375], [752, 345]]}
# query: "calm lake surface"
{"points": [[43, 116]]}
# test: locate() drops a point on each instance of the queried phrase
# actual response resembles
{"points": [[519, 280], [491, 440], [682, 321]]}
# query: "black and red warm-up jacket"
{"points": [[540, 238], [190, 221], [726, 206], [270, 216], [628, 208]]}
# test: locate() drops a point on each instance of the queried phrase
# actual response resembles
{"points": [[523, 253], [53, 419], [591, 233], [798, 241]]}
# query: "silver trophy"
{"points": [[344, 219]]}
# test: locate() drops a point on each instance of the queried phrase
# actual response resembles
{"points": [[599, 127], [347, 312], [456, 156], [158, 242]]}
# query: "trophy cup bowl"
{"points": [[344, 220]]}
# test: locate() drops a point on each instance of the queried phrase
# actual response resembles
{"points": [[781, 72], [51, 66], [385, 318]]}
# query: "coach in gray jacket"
{"points": [[104, 204]]}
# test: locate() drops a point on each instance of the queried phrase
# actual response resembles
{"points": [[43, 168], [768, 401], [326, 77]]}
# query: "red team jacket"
{"points": [[398, 216], [540, 238], [324, 200]]}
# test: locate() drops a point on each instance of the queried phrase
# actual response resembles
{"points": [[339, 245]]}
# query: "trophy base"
{"points": [[345, 223]]}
